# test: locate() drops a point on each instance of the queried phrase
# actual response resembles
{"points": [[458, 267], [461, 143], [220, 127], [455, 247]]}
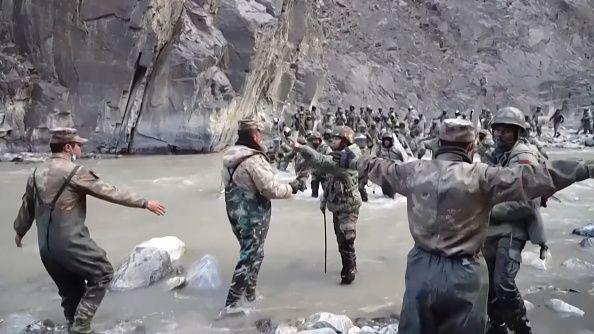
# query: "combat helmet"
{"points": [[345, 133], [314, 135], [510, 116]]}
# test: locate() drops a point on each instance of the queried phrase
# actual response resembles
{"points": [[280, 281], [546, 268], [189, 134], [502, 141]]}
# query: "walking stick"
{"points": [[325, 244]]}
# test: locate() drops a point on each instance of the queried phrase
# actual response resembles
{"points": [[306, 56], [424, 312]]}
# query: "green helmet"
{"points": [[510, 116], [314, 135], [344, 132]]}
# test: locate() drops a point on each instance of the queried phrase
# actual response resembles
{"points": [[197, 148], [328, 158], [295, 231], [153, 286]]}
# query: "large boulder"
{"points": [[586, 230], [149, 262]]}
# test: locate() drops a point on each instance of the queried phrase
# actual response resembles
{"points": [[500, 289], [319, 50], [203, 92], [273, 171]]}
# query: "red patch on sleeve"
{"points": [[524, 162]]}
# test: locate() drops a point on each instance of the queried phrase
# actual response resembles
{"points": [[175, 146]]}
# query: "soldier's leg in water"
{"points": [[387, 191], [315, 185], [461, 306], [71, 287], [345, 230], [98, 272], [509, 300], [496, 323], [362, 190], [260, 232], [416, 317], [241, 272]]}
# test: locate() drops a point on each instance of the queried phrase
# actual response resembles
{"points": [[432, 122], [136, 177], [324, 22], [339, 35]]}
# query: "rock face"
{"points": [[176, 75]]}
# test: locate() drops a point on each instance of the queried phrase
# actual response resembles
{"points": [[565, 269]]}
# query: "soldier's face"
{"points": [[336, 143], [257, 137], [504, 134]]}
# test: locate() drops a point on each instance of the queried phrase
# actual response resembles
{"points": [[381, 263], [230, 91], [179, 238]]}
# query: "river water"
{"points": [[292, 280]]}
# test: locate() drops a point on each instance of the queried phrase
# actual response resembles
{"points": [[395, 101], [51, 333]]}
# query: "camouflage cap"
{"points": [[457, 130], [65, 136], [249, 124]]}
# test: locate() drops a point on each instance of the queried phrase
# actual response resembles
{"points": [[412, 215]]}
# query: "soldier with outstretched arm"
{"points": [[448, 202], [55, 198]]}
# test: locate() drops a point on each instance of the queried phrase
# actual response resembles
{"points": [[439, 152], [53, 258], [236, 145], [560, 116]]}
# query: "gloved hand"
{"points": [[343, 158], [298, 185], [544, 252]]}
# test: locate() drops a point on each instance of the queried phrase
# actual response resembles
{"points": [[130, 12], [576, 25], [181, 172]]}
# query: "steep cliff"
{"points": [[176, 75]]}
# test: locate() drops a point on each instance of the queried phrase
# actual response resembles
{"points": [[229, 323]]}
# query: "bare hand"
{"points": [[156, 208], [18, 240]]}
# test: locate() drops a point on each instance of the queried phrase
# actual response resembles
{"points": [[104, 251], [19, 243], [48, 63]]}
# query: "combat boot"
{"points": [[80, 327], [521, 326], [349, 269]]}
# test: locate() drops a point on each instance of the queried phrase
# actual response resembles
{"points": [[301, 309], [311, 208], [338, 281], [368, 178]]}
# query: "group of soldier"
{"points": [[469, 220]]}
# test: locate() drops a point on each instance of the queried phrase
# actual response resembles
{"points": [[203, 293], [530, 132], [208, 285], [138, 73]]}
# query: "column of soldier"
{"points": [[469, 219]]}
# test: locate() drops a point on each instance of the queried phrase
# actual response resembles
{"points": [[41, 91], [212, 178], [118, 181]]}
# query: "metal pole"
{"points": [[325, 245]]}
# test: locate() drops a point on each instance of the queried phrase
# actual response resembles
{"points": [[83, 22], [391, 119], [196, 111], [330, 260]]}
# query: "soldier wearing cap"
{"points": [[250, 184], [449, 199], [55, 198], [341, 195], [317, 178]]}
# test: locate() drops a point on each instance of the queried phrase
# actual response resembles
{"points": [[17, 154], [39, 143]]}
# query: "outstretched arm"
{"points": [[382, 172], [89, 183], [26, 214]]}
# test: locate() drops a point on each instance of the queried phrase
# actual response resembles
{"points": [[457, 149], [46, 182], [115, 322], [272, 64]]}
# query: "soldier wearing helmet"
{"points": [[363, 140], [341, 195], [284, 154], [389, 151], [511, 225]]}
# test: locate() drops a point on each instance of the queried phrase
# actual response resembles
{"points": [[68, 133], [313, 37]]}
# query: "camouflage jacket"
{"points": [[342, 185], [449, 201], [522, 220], [391, 153], [252, 173], [67, 233]]}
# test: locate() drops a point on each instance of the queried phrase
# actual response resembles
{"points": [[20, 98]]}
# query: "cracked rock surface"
{"points": [[158, 76]]}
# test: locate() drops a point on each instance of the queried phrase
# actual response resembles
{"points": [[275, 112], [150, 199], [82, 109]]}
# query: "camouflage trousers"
{"points": [[345, 230], [249, 215], [506, 305], [82, 285]]}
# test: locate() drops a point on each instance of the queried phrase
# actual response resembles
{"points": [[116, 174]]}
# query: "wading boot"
{"points": [[349, 269], [496, 328]]}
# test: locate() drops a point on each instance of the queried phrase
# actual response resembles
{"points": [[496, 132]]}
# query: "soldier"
{"points": [[318, 178], [388, 151], [341, 196], [250, 184], [327, 136], [285, 154], [485, 118], [485, 145], [309, 120], [55, 198], [443, 116], [538, 124], [557, 119], [362, 140], [586, 122], [511, 224], [449, 200], [411, 115]]}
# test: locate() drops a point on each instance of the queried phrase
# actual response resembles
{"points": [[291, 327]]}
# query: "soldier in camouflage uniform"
{"points": [[389, 151], [284, 154], [362, 140], [511, 224], [318, 178], [485, 145], [341, 196], [449, 200], [55, 198], [250, 184]]}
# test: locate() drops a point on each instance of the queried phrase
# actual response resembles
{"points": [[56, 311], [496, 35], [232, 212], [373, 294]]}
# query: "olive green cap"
{"points": [[65, 136], [457, 130]]}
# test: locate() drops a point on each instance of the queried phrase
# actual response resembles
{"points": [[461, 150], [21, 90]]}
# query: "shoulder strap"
{"points": [[232, 172], [63, 187]]}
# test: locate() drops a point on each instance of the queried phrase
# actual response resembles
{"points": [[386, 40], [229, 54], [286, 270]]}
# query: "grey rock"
{"points": [[339, 323], [586, 230], [145, 266], [563, 308], [324, 330], [204, 274], [587, 242]]}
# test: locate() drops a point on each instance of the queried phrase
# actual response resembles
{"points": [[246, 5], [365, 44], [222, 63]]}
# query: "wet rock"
{"points": [[285, 329], [265, 326], [579, 265], [145, 266], [15, 322], [324, 330], [589, 142], [204, 274], [564, 308], [175, 283], [533, 260], [172, 245], [339, 323], [587, 242], [44, 327], [586, 231]]}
